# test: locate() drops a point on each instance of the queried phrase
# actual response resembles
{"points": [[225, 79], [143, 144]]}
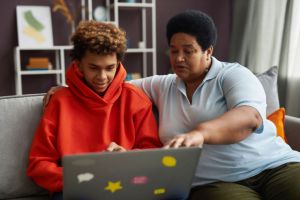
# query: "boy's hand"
{"points": [[113, 147], [49, 94]]}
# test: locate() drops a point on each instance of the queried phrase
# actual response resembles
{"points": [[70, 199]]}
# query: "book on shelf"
{"points": [[39, 63]]}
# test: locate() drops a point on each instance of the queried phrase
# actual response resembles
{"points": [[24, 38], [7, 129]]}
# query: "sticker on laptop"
{"points": [[113, 186], [159, 191], [169, 161], [139, 180], [85, 177]]}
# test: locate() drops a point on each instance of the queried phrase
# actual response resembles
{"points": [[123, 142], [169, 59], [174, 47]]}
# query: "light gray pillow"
{"points": [[19, 117], [268, 80]]}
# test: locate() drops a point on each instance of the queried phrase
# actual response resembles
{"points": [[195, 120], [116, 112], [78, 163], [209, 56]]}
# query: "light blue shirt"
{"points": [[226, 86]]}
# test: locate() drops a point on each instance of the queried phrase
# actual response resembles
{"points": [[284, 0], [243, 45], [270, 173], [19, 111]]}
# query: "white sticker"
{"points": [[85, 177]]}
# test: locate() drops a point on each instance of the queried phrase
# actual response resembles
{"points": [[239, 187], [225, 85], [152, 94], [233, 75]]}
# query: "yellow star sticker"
{"points": [[113, 186], [159, 191]]}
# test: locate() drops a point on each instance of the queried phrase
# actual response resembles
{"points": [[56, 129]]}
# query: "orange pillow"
{"points": [[278, 118]]}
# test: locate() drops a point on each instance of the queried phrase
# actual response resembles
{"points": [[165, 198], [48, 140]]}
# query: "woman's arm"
{"points": [[152, 86], [50, 92], [245, 101], [231, 127]]}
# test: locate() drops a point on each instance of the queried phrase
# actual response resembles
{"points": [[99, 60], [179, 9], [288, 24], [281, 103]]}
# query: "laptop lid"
{"points": [[152, 174]]}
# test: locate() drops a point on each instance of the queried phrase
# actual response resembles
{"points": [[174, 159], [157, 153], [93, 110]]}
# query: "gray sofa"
{"points": [[19, 116]]}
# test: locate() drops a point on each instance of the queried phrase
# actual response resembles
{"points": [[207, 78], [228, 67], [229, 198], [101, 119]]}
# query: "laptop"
{"points": [[152, 174]]}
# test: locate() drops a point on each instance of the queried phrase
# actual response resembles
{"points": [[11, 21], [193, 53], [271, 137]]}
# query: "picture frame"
{"points": [[34, 26]]}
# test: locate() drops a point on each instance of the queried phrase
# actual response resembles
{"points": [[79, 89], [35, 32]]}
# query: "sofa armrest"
{"points": [[292, 131], [19, 117]]}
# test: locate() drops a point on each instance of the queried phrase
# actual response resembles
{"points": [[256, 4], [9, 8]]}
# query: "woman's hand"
{"points": [[190, 139], [49, 94], [114, 147]]}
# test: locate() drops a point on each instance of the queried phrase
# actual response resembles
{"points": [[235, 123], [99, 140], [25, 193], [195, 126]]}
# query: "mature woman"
{"points": [[222, 107]]}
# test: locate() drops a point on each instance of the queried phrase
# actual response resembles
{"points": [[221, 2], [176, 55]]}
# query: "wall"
{"points": [[219, 10], [9, 39]]}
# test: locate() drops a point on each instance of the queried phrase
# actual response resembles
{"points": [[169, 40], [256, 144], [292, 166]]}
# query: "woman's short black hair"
{"points": [[195, 23]]}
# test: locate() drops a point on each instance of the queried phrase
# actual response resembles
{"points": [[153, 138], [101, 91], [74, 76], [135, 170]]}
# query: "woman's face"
{"points": [[187, 58], [98, 70]]}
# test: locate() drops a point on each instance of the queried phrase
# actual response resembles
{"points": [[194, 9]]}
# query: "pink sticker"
{"points": [[139, 180]]}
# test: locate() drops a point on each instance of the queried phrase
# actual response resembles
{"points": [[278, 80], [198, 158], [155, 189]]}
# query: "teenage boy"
{"points": [[97, 112]]}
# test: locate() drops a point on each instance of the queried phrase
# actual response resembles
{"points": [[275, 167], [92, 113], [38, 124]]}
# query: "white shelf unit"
{"points": [[59, 66], [142, 5]]}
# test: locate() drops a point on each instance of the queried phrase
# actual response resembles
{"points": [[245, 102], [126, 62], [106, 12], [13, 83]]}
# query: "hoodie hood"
{"points": [[77, 85]]}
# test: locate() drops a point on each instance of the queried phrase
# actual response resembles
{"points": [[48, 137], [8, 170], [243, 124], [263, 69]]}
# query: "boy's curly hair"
{"points": [[99, 38]]}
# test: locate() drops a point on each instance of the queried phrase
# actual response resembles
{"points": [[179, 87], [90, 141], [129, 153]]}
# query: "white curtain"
{"points": [[267, 33]]}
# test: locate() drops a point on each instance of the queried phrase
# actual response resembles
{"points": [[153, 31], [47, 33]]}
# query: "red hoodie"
{"points": [[78, 120]]}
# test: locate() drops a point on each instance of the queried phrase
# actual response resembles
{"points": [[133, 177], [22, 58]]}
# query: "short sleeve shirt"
{"points": [[226, 86]]}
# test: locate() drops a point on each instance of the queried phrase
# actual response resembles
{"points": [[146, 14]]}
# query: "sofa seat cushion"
{"points": [[44, 197]]}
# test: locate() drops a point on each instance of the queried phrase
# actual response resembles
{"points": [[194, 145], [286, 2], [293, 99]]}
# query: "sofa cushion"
{"points": [[268, 80], [18, 120], [44, 197], [278, 118]]}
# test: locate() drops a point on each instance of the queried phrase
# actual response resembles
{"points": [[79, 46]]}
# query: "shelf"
{"points": [[46, 48], [38, 72], [58, 64], [140, 50], [147, 54], [133, 5], [147, 15]]}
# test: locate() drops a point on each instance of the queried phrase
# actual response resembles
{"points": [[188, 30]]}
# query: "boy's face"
{"points": [[98, 70]]}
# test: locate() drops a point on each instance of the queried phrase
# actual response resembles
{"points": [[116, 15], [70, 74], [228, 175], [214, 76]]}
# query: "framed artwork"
{"points": [[34, 26]]}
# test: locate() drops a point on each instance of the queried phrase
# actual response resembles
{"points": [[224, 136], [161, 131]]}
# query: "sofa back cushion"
{"points": [[268, 80], [19, 117]]}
